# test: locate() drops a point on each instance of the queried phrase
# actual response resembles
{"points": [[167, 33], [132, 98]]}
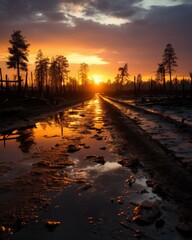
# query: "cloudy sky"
{"points": [[106, 34]]}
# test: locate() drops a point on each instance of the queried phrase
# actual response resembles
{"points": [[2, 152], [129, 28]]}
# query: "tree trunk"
{"points": [[1, 80], [18, 75], [183, 87], [190, 84], [164, 86]]}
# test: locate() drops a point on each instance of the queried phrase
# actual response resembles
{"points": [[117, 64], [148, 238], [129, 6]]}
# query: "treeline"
{"points": [[51, 76], [138, 88], [163, 84]]}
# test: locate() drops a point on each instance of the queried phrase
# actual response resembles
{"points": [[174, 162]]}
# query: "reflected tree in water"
{"points": [[26, 139], [59, 120]]}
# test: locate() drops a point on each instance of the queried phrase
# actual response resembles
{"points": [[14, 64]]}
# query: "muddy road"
{"points": [[88, 172]]}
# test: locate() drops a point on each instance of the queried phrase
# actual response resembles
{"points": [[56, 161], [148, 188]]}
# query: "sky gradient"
{"points": [[106, 34]]}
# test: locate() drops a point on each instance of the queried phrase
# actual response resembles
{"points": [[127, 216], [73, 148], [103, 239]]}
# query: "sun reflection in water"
{"points": [[108, 166], [97, 169]]}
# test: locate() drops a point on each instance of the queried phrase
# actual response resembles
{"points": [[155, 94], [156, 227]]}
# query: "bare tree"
{"points": [[123, 75]]}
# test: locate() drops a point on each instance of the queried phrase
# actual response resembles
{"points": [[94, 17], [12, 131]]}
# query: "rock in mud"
{"points": [[185, 229], [100, 159], [73, 148], [103, 148], [130, 181], [99, 138], [5, 232], [138, 233], [51, 225], [130, 163], [85, 187], [41, 164], [90, 220], [80, 180], [159, 223], [146, 213], [97, 159], [2, 229], [120, 200], [86, 146], [156, 188]]}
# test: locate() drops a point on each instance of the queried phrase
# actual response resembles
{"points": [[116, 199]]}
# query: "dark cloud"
{"points": [[27, 10], [121, 8], [140, 42], [175, 15]]}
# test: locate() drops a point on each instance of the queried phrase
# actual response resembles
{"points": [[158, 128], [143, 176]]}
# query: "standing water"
{"points": [[60, 179]]}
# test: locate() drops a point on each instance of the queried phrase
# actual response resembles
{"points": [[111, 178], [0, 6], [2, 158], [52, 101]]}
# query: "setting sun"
{"points": [[97, 79]]}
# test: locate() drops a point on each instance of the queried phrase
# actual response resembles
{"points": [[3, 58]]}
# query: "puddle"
{"points": [[167, 133], [89, 199], [140, 192], [16, 171]]}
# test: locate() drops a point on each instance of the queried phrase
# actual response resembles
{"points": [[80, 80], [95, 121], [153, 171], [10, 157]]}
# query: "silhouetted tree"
{"points": [[169, 61], [53, 75], [18, 54], [138, 83], [83, 73], [58, 72], [161, 74], [41, 70], [190, 74], [73, 84], [62, 65], [117, 82], [123, 75]]}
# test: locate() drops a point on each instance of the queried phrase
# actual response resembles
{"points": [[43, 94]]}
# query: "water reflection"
{"points": [[55, 121], [26, 139], [24, 136], [94, 170], [108, 166], [61, 129]]}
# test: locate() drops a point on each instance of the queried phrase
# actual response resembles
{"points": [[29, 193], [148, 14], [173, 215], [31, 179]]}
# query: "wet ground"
{"points": [[75, 175], [166, 122]]}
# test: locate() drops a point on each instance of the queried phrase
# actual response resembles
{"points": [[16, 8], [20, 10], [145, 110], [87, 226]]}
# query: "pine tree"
{"points": [[161, 74], [41, 71], [169, 61], [18, 54], [83, 73], [58, 73]]}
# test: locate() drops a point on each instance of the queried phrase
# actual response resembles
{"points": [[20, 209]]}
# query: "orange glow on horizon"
{"points": [[97, 79], [101, 67]]}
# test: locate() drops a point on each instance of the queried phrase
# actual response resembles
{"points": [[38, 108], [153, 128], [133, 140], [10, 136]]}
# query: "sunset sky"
{"points": [[106, 34]]}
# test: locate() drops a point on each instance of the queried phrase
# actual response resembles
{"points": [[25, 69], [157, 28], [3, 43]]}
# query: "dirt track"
{"points": [[164, 169], [99, 196]]}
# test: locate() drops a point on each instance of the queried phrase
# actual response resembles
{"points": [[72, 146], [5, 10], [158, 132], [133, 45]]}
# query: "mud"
{"points": [[104, 179]]}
